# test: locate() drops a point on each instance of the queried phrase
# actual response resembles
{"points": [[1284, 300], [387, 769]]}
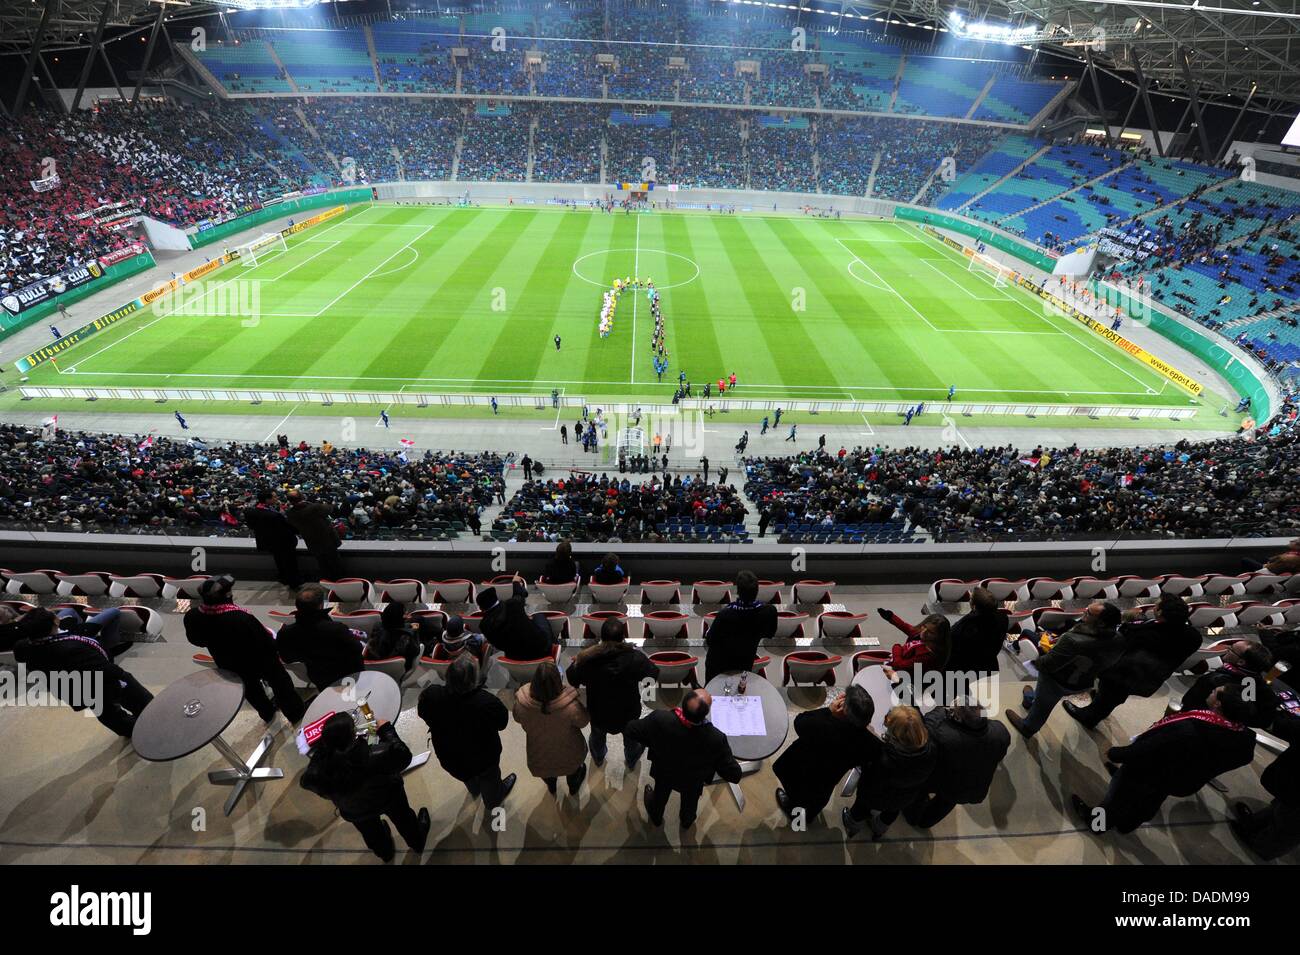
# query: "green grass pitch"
{"points": [[470, 299]]}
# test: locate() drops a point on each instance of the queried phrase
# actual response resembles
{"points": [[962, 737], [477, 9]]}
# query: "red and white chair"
{"points": [[559, 623], [205, 660], [661, 592], [594, 621], [870, 658], [504, 584], [404, 590], [1049, 588], [1132, 587], [281, 617], [424, 615], [769, 591], [609, 593], [140, 622], [1260, 615], [473, 621], [136, 586], [521, 671], [563, 593], [789, 624], [760, 665], [840, 625], [349, 590], [950, 590], [706, 621], [675, 668], [367, 621], [1210, 616], [298, 670], [1181, 586], [394, 667], [453, 591], [1054, 620], [439, 661], [667, 624], [712, 592], [809, 666], [1292, 612], [1096, 588], [187, 588], [1004, 589], [1264, 582], [93, 583], [40, 582], [1221, 585], [813, 592]]}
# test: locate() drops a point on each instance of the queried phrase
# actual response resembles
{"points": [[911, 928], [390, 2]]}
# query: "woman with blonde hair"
{"points": [[900, 775], [553, 717]]}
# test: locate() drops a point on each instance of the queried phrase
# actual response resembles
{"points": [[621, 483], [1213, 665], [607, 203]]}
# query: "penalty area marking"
{"points": [[637, 257]]}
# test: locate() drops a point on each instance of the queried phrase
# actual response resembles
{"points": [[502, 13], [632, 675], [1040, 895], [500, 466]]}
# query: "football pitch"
{"points": [[469, 300]]}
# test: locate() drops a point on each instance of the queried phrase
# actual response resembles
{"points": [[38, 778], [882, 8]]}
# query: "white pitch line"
{"points": [[901, 297], [330, 304], [210, 290], [945, 275], [1068, 331], [532, 382], [281, 423], [636, 274]]}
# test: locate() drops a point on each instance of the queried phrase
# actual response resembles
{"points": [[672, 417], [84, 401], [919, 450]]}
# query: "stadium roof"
{"points": [[1229, 46], [1222, 47]]}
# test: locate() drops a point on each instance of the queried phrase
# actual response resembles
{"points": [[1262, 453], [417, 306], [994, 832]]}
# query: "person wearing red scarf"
{"points": [[1176, 756]]}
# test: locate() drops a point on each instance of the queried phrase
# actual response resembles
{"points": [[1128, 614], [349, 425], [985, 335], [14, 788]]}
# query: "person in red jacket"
{"points": [[926, 644]]}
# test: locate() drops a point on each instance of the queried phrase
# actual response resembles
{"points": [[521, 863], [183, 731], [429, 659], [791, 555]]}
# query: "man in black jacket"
{"points": [[274, 536], [507, 626], [1245, 664], [738, 629], [240, 643], [1175, 757], [831, 741], [9, 632], [80, 671], [971, 748], [612, 672], [313, 522], [1275, 830], [329, 649], [365, 783], [465, 723], [685, 754], [977, 638], [1153, 649]]}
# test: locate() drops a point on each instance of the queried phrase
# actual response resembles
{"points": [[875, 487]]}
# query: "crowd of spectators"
{"points": [[83, 482], [566, 146], [1231, 486], [495, 147], [584, 507], [781, 159]]}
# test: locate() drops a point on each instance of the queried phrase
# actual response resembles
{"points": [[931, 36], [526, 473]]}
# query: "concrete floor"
{"points": [[73, 793]]}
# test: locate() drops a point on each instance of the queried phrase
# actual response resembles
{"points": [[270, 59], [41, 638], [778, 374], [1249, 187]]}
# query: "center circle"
{"points": [[633, 254]]}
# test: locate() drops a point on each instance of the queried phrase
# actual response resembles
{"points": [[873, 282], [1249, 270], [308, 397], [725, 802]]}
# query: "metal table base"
{"points": [[243, 772]]}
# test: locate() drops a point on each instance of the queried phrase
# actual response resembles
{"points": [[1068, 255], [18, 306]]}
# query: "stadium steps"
{"points": [[1069, 192], [397, 158], [1261, 316], [980, 99], [374, 58], [275, 58], [871, 179], [1052, 104], [925, 186], [1010, 175], [532, 149], [898, 79], [201, 71]]}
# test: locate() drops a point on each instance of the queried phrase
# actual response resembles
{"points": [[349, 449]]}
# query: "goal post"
{"points": [[251, 253], [989, 267]]}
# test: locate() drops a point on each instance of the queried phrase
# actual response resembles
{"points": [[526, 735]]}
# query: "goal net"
{"points": [[250, 253], [989, 268]]}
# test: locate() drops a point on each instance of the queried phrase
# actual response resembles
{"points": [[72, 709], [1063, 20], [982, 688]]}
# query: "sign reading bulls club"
{"points": [[19, 300]]}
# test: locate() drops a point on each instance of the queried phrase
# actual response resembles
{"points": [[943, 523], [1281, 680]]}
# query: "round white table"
{"points": [[750, 751], [193, 712], [380, 690]]}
